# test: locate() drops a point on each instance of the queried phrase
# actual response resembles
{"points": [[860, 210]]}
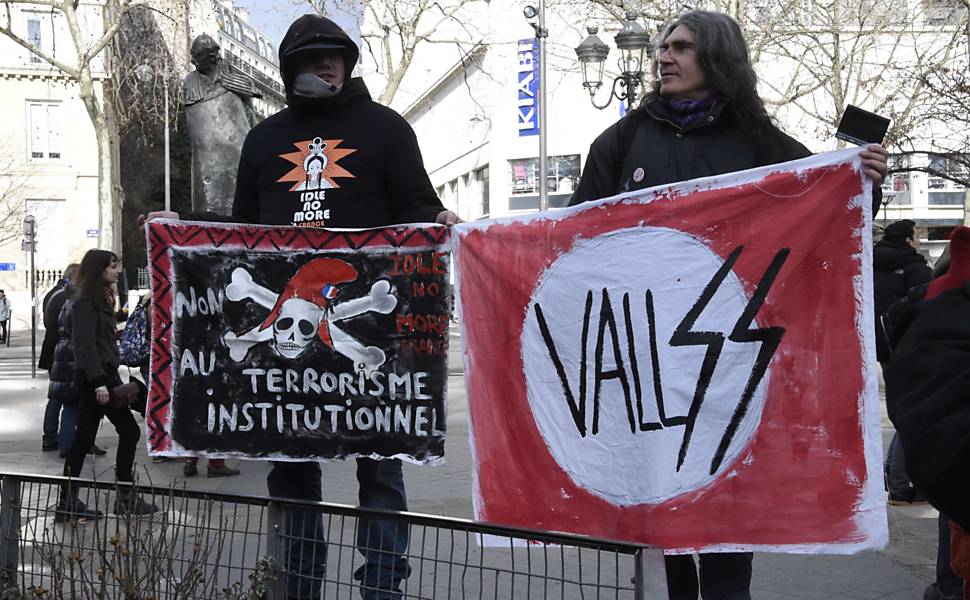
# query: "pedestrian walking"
{"points": [[4, 316], [96, 376]]}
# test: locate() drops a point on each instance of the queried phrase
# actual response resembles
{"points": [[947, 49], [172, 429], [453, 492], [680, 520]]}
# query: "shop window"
{"points": [[562, 177]]}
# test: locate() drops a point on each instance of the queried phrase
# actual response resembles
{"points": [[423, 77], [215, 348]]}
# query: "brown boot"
{"points": [[219, 468]]}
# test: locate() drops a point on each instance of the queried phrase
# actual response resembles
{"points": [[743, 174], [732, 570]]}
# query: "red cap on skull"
{"points": [[314, 282]]}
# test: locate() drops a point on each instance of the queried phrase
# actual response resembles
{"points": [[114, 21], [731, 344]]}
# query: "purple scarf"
{"points": [[685, 112]]}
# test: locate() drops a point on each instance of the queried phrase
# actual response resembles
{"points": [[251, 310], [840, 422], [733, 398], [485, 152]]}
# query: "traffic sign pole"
{"points": [[29, 243]]}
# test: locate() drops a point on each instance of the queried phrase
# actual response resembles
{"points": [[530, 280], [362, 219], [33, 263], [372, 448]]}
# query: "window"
{"points": [[562, 177], [895, 187], [35, 37], [38, 30], [895, 190], [481, 176], [940, 13], [249, 38], [561, 180], [44, 130], [953, 166], [938, 233], [943, 191]]}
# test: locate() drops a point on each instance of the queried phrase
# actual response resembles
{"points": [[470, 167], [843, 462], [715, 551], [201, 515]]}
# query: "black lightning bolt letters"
{"points": [[769, 339], [714, 340], [578, 409]]}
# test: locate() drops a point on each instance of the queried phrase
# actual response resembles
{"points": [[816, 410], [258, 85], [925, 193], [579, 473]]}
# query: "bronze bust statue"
{"points": [[218, 108]]}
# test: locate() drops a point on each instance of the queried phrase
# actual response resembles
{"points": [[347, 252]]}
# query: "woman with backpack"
{"points": [[96, 377]]}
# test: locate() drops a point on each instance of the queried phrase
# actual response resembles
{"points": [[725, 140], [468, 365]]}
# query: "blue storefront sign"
{"points": [[527, 67], [8, 266]]}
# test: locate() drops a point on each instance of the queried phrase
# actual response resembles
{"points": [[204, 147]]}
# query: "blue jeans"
{"points": [[65, 435], [52, 416], [725, 576], [59, 422], [382, 543], [896, 466]]}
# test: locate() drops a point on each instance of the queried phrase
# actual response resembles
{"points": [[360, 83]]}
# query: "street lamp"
{"points": [[632, 41], [146, 73]]}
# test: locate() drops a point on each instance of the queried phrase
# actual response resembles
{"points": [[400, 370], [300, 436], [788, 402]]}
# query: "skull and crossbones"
{"points": [[304, 311]]}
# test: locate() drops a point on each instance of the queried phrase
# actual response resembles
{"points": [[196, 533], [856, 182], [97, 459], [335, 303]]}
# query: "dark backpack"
{"points": [[134, 346]]}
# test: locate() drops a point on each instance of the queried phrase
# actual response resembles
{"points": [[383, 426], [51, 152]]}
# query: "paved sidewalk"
{"points": [[900, 572]]}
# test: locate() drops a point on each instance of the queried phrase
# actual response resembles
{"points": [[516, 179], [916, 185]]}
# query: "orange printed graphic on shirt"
{"points": [[315, 165]]}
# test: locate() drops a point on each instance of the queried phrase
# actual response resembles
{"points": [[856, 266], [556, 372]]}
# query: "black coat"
{"points": [[648, 139], [53, 303], [927, 383], [898, 268], [96, 358], [50, 294], [62, 385]]}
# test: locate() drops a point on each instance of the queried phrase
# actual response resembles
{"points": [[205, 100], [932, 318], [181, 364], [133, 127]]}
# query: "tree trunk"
{"points": [[395, 77], [107, 238]]}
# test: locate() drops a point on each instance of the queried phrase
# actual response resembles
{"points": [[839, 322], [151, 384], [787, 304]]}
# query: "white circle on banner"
{"points": [[635, 455]]}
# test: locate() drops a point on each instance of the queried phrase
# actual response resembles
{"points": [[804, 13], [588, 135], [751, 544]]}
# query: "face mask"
{"points": [[311, 86]]}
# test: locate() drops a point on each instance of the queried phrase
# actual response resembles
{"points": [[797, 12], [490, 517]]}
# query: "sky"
{"points": [[273, 17]]}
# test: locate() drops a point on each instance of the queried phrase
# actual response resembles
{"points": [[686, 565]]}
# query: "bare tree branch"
{"points": [[80, 73], [394, 31], [45, 56], [13, 183]]}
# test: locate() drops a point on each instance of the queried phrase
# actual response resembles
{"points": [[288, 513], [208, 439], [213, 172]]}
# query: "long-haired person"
{"points": [[703, 117], [96, 363]]}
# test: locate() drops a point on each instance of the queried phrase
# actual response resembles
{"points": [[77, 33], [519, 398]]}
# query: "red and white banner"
{"points": [[690, 366]]}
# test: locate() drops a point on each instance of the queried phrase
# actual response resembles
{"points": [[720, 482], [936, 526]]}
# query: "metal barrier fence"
{"points": [[213, 545]]}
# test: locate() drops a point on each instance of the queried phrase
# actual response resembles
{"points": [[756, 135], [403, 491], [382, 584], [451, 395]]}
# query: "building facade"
{"points": [[247, 50], [472, 105], [48, 152]]}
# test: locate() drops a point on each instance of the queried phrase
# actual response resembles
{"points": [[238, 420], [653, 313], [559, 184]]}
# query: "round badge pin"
{"points": [[638, 175]]}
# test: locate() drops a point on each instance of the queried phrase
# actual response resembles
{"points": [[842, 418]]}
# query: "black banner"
{"points": [[300, 354]]}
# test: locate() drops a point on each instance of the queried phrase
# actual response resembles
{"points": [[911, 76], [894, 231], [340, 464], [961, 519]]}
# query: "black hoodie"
{"points": [[343, 161], [898, 267]]}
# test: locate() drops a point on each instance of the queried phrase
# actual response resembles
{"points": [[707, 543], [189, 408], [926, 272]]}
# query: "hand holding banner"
{"points": [[286, 343]]}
